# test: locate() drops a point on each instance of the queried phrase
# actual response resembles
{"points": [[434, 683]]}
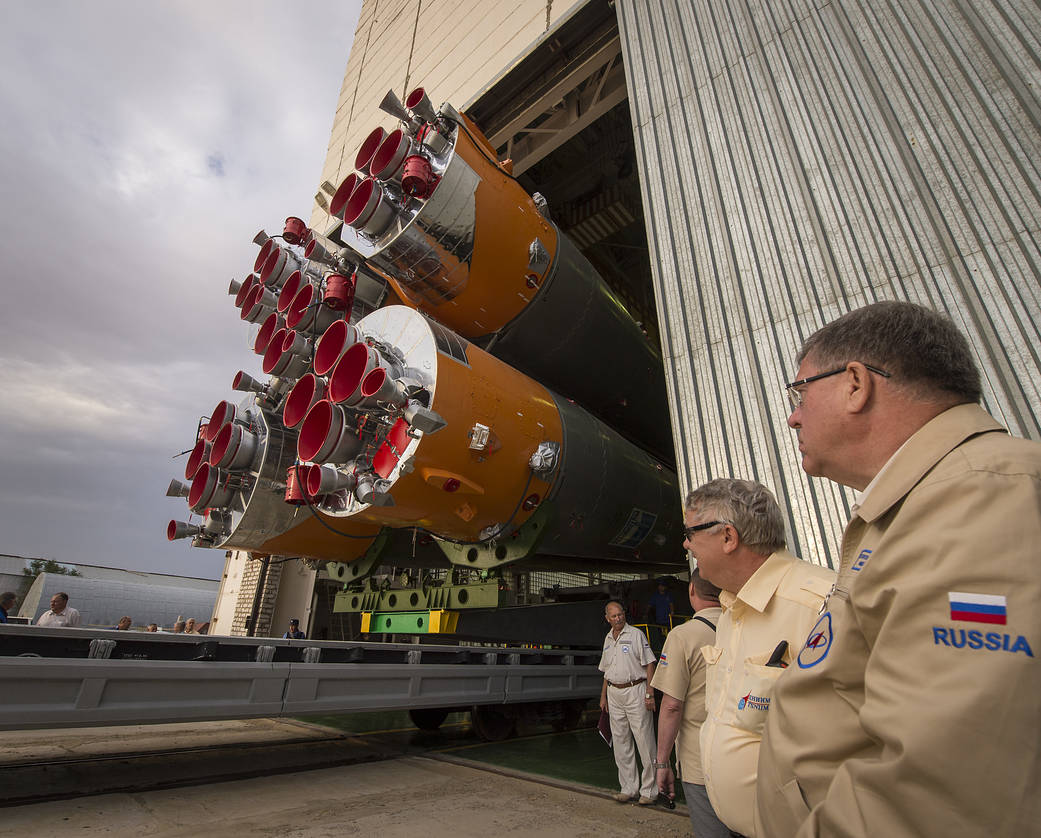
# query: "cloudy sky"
{"points": [[143, 145]]}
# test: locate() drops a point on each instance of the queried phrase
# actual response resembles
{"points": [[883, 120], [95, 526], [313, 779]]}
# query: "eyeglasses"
{"points": [[688, 532], [795, 396]]}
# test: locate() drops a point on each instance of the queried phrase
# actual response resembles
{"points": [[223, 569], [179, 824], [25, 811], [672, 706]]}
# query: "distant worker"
{"points": [[681, 679], [178, 627], [61, 614], [294, 632], [7, 600], [124, 624], [628, 666], [770, 599], [154, 627], [914, 707], [660, 606], [189, 626]]}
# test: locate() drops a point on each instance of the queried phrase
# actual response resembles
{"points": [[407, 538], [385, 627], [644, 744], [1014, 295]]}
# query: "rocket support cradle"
{"points": [[393, 421]]}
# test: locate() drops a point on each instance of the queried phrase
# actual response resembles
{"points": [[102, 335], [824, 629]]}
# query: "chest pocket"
{"points": [[754, 693]]}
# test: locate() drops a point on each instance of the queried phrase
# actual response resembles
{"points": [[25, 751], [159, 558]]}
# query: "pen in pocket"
{"points": [[776, 659]]}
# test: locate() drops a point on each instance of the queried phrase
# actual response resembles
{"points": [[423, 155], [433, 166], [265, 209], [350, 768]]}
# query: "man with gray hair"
{"points": [[914, 704], [770, 600]]}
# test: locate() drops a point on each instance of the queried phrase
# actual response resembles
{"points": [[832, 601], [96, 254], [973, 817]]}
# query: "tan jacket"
{"points": [[681, 674], [914, 708]]}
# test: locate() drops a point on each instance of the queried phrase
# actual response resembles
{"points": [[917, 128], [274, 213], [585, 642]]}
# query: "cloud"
{"points": [[144, 145]]}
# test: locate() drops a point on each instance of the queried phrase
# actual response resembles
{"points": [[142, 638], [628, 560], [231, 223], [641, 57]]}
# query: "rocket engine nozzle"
{"points": [[369, 209], [278, 267], [177, 489], [328, 435], [363, 159], [339, 292], [244, 290], [306, 393], [345, 382], [199, 455], [234, 448], [209, 488], [417, 177], [377, 386], [293, 284], [392, 104], [305, 312], [295, 230], [332, 344], [324, 480], [223, 413], [268, 328], [265, 250], [180, 529], [259, 303], [344, 190], [247, 384], [388, 161], [419, 103]]}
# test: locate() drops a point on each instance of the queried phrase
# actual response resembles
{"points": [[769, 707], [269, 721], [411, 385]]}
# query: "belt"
{"points": [[628, 683]]}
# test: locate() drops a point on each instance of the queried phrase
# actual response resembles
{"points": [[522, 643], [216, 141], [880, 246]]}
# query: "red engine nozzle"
{"points": [[327, 435], [418, 179], [339, 292], [369, 147], [343, 194], [295, 230], [332, 344]]}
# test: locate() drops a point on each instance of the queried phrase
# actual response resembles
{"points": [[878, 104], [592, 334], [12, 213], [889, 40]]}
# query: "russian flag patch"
{"points": [[978, 608]]}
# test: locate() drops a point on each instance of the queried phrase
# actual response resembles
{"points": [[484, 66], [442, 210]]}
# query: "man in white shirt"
{"points": [[61, 614], [628, 666], [770, 599]]}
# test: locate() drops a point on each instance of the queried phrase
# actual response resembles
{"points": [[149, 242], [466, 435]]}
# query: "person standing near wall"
{"points": [[628, 666], [680, 677], [913, 706]]}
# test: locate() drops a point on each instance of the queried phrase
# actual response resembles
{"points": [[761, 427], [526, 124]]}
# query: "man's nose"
{"points": [[792, 421]]}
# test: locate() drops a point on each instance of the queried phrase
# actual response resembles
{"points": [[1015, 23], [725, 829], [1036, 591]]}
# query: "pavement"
{"points": [[396, 798]]}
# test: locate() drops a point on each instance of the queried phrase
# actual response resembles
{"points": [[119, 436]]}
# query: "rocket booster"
{"points": [[410, 425]]}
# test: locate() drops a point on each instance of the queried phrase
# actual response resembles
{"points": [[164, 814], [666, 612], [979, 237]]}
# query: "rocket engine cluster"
{"points": [[499, 402]]}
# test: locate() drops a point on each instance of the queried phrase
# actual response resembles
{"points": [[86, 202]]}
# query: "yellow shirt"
{"points": [[681, 674], [780, 601]]}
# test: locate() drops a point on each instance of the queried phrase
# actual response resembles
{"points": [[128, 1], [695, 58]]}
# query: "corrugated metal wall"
{"points": [[799, 159]]}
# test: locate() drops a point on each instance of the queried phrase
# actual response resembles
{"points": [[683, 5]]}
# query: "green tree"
{"points": [[38, 566]]}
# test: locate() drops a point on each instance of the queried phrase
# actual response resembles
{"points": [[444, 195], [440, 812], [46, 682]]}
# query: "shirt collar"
{"points": [[923, 450], [761, 585]]}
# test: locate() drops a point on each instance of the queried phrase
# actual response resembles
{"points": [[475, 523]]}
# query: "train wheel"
{"points": [[428, 718], [492, 725]]}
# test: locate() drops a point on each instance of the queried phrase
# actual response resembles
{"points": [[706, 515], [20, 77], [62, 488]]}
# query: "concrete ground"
{"points": [[403, 797], [398, 796]]}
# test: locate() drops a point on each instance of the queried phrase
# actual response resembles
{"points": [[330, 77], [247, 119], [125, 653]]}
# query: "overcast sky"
{"points": [[143, 145]]}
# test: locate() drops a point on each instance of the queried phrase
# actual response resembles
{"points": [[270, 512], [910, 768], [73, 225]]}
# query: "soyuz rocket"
{"points": [[491, 399]]}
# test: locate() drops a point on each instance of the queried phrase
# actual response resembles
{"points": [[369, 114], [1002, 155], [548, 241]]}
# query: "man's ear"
{"points": [[731, 538], [860, 386]]}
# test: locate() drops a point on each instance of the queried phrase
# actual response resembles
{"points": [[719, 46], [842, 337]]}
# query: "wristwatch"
{"points": [[657, 765], [649, 695]]}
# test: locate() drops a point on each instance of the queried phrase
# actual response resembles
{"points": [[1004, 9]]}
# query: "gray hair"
{"points": [[923, 349], [747, 505]]}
